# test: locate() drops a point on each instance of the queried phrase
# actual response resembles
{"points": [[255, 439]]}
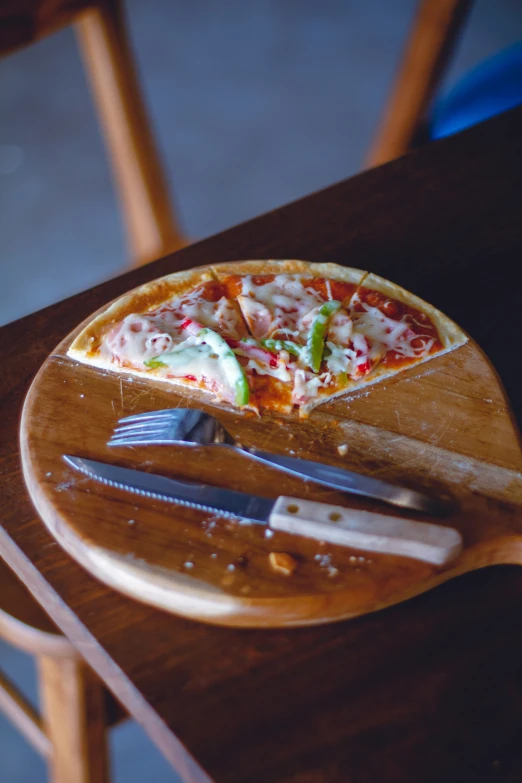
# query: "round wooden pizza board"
{"points": [[443, 427]]}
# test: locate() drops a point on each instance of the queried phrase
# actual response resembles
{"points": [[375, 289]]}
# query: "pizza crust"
{"points": [[344, 274]]}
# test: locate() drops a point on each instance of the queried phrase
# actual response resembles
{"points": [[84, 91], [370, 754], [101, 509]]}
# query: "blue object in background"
{"points": [[492, 87]]}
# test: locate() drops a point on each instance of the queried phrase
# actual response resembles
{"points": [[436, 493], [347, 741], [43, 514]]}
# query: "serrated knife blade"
{"points": [[201, 497]]}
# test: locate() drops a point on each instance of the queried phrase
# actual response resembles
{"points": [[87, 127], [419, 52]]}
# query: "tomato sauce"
{"points": [[339, 290], [417, 321], [234, 285], [211, 291], [269, 392]]}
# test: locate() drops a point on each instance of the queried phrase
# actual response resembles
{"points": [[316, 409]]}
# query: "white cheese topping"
{"points": [[340, 359], [221, 316], [307, 385], [394, 335], [138, 338], [280, 372], [285, 300], [340, 328]]}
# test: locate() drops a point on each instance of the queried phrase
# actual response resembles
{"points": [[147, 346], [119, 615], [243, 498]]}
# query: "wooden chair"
{"points": [[76, 710], [435, 31], [102, 37]]}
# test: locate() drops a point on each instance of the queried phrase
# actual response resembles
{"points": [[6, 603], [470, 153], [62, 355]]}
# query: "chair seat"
{"points": [[494, 86]]}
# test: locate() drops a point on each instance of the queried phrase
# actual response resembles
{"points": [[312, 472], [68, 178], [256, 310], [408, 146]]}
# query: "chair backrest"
{"points": [[433, 36], [102, 36]]}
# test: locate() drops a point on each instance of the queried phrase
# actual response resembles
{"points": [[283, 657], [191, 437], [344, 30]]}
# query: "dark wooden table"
{"points": [[426, 691]]}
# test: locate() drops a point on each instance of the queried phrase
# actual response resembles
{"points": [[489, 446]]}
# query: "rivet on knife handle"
{"points": [[366, 530]]}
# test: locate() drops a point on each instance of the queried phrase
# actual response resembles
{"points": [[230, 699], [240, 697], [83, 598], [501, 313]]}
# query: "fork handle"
{"points": [[347, 481], [366, 530]]}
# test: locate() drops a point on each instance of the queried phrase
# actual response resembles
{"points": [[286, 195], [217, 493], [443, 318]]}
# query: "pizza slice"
{"points": [[267, 335]]}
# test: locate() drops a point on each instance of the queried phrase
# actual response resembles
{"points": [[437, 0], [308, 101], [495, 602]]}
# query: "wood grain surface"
{"points": [[443, 427], [428, 690]]}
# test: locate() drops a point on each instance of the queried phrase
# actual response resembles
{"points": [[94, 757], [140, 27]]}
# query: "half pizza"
{"points": [[267, 335]]}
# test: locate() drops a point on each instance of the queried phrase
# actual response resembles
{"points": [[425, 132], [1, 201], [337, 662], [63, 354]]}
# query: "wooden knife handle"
{"points": [[366, 530]]}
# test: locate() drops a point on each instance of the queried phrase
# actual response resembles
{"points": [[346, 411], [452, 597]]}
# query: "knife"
{"points": [[338, 525]]}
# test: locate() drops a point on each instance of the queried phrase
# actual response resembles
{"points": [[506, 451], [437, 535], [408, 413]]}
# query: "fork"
{"points": [[196, 428]]}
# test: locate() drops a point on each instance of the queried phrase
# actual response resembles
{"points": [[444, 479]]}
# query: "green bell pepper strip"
{"points": [[228, 359], [315, 340], [177, 358], [154, 364], [232, 370], [282, 345]]}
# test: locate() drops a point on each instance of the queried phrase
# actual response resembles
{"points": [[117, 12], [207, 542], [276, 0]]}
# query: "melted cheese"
{"points": [[393, 335], [221, 316], [281, 372], [307, 385], [138, 338], [341, 359], [199, 362], [340, 328], [257, 316], [141, 337], [285, 299]]}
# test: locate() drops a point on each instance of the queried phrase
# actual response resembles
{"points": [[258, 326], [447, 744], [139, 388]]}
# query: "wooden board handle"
{"points": [[366, 530]]}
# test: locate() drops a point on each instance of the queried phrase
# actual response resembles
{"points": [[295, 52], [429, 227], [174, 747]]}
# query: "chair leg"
{"points": [[103, 41], [73, 713]]}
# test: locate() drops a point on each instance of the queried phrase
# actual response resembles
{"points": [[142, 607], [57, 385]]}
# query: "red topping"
{"points": [[364, 368], [192, 327], [265, 357]]}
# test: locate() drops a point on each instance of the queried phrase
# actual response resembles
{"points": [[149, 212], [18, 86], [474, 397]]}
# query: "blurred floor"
{"points": [[254, 104]]}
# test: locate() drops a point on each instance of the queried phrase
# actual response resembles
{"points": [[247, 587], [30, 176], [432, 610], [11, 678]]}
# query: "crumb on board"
{"points": [[324, 560], [132, 521], [342, 450], [282, 563], [268, 533]]}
